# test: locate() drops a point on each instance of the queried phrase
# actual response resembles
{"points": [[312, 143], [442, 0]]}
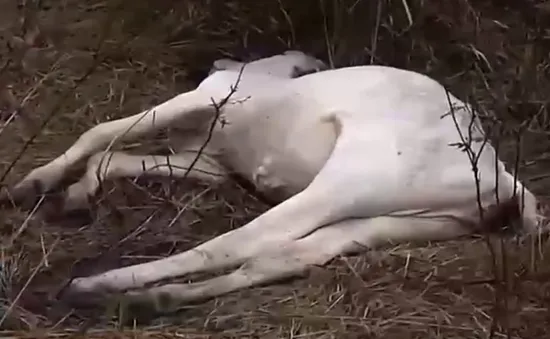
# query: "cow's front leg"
{"points": [[290, 220]]}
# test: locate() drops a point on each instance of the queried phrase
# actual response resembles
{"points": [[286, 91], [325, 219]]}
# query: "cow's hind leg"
{"points": [[293, 259], [111, 165], [189, 109]]}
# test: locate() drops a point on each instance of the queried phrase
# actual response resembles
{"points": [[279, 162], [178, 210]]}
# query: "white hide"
{"points": [[357, 157]]}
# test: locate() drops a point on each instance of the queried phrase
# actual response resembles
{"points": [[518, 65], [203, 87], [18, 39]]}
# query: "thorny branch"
{"points": [[500, 283], [218, 106], [465, 146]]}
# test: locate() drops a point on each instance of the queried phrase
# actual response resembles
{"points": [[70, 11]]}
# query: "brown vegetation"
{"points": [[66, 65]]}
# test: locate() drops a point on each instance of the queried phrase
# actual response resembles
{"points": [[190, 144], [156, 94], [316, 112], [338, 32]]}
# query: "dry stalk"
{"points": [[97, 60], [31, 277]]}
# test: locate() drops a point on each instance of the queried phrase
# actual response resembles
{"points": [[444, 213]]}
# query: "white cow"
{"points": [[357, 157]]}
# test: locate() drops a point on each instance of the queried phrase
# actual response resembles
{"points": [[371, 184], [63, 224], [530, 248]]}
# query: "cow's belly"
{"points": [[280, 153]]}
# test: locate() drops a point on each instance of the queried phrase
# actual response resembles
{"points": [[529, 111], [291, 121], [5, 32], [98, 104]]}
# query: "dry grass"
{"points": [[141, 53]]}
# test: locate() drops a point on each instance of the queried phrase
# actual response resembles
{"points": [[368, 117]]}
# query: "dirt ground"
{"points": [[68, 64]]}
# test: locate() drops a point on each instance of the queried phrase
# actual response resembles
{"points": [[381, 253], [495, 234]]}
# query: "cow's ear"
{"points": [[223, 64]]}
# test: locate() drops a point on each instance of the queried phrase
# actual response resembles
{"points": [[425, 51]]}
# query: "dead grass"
{"points": [[141, 53]]}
